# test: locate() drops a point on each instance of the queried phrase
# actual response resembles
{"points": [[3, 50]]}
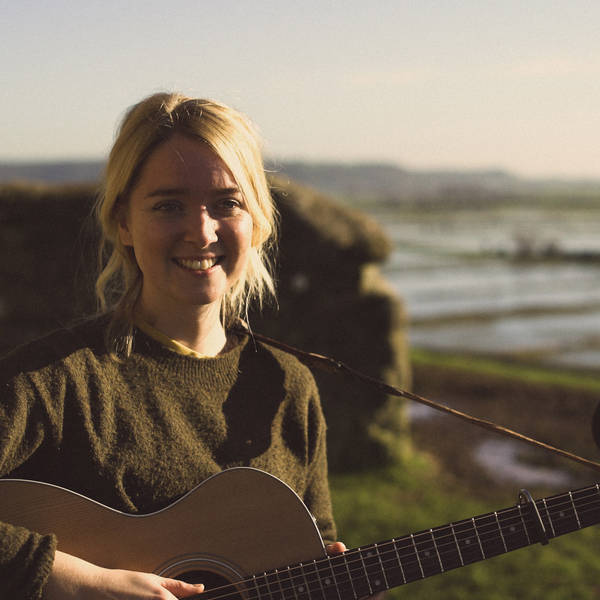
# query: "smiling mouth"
{"points": [[198, 264]]}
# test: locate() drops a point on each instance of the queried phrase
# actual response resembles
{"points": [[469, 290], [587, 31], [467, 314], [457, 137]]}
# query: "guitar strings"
{"points": [[407, 563], [283, 588], [323, 568]]}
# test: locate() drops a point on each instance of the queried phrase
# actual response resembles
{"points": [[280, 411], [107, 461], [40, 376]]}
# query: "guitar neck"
{"points": [[366, 570]]}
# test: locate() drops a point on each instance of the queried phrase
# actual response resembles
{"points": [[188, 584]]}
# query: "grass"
{"points": [[440, 483], [515, 371], [391, 502]]}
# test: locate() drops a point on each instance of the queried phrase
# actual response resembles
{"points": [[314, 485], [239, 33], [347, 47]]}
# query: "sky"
{"points": [[471, 84]]}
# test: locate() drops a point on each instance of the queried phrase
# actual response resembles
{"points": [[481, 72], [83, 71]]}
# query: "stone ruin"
{"points": [[332, 299]]}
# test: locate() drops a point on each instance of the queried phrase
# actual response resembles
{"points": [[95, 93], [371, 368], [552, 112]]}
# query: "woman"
{"points": [[139, 405]]}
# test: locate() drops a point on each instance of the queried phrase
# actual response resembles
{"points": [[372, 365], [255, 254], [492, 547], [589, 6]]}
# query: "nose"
{"points": [[201, 227]]}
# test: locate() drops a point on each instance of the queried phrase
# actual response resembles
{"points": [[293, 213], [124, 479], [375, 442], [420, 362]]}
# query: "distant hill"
{"points": [[389, 181], [358, 181], [52, 172]]}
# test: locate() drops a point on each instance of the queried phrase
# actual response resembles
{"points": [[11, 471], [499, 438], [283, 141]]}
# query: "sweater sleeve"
{"points": [[26, 558], [317, 496]]}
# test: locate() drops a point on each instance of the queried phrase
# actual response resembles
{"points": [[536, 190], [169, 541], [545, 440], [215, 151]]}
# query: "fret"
{"points": [[564, 517], [575, 510], [412, 539], [313, 579], [302, 587], [489, 535], [360, 575], [435, 546], [447, 548], [328, 580], [381, 565], [342, 576], [529, 542], [254, 593], [400, 567], [389, 561], [426, 551], [282, 591], [513, 528], [477, 536], [408, 559], [500, 531], [297, 581], [265, 586], [462, 561], [288, 588], [466, 537], [272, 585], [588, 505], [376, 577], [351, 578], [549, 518]]}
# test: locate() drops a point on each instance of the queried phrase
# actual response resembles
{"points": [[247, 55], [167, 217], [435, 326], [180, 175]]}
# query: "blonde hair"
{"points": [[232, 137]]}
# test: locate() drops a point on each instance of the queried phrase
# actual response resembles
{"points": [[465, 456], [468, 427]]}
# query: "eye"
{"points": [[231, 203], [167, 206]]}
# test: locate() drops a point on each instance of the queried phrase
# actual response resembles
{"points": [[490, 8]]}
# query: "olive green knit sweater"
{"points": [[136, 435]]}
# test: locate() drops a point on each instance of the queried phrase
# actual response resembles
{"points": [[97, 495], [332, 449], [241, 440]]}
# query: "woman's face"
{"points": [[188, 225]]}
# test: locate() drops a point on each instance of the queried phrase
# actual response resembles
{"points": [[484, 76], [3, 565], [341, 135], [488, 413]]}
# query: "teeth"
{"points": [[197, 265]]}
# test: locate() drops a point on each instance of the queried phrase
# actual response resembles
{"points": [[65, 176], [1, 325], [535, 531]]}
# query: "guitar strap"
{"points": [[325, 363]]}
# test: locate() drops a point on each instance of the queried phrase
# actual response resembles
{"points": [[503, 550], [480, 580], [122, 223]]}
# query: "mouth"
{"points": [[198, 264]]}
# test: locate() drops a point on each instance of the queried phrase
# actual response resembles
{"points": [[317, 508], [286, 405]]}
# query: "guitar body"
{"points": [[247, 536], [238, 522]]}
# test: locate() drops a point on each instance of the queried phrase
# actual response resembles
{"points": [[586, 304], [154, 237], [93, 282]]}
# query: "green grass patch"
{"points": [[384, 503], [506, 369]]}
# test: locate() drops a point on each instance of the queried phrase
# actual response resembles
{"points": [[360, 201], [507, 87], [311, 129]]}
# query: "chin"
{"points": [[201, 300]]}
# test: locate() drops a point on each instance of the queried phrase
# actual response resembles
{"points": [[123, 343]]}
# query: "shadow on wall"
{"points": [[332, 299]]}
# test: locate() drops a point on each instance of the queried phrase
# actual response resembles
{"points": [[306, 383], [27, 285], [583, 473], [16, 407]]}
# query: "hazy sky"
{"points": [[471, 84]]}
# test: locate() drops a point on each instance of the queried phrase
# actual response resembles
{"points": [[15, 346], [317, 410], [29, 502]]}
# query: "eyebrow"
{"points": [[166, 192], [175, 191]]}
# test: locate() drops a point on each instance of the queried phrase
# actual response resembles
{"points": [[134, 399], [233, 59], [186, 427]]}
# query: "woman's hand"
{"points": [[72, 577], [339, 548]]}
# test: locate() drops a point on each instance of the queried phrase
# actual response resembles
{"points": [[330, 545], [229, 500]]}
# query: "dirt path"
{"points": [[558, 416]]}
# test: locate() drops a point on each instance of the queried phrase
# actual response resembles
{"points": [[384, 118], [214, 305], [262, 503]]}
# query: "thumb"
{"points": [[181, 589]]}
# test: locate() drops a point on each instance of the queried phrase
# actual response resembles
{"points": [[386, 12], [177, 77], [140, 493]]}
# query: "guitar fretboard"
{"points": [[367, 570]]}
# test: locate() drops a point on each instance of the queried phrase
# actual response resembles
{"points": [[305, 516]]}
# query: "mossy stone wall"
{"points": [[332, 299]]}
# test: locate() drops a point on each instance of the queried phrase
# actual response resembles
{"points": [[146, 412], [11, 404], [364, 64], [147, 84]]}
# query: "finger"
{"points": [[336, 548], [181, 589]]}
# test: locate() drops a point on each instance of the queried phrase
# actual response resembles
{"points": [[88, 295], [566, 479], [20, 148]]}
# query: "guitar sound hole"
{"points": [[210, 580]]}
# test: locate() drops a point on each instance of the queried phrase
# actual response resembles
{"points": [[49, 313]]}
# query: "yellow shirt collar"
{"points": [[165, 340]]}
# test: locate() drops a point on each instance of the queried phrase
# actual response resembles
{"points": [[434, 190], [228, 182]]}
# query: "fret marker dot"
{"points": [[427, 552], [328, 581], [301, 588], [467, 542], [378, 582], [561, 514], [512, 528]]}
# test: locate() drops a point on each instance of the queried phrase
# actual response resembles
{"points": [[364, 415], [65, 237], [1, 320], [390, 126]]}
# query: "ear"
{"points": [[124, 233]]}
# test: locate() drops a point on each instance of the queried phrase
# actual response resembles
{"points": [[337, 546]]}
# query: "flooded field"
{"points": [[517, 282]]}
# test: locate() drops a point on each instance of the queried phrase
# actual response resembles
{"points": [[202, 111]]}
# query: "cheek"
{"points": [[239, 245], [241, 235], [154, 236]]}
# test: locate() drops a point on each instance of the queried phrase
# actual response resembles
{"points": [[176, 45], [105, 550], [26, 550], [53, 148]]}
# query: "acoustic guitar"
{"points": [[247, 535]]}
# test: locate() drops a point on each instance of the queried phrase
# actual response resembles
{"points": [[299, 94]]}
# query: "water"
{"points": [[502, 459], [464, 292], [492, 286]]}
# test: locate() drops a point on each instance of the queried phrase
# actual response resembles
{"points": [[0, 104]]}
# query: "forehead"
{"points": [[186, 163]]}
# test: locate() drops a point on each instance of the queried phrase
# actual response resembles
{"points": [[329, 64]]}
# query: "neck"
{"points": [[198, 328]]}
